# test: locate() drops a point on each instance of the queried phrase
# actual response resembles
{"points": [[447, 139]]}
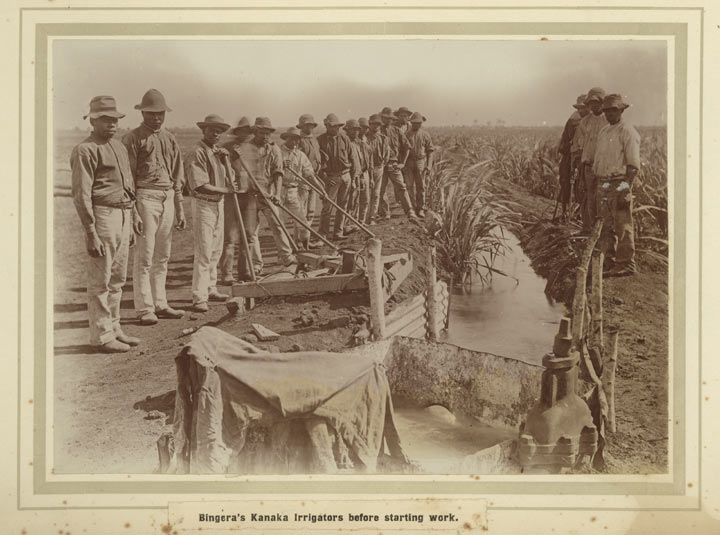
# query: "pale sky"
{"points": [[451, 82]]}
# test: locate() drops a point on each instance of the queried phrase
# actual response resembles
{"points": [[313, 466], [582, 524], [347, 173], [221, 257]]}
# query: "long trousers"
{"points": [[337, 188], [233, 252], [590, 200], [414, 174], [376, 183], [394, 175], [255, 207], [295, 199], [106, 274], [208, 220], [565, 179], [617, 239], [152, 248]]}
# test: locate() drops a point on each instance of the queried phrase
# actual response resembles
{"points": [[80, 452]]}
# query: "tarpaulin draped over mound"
{"points": [[305, 411]]}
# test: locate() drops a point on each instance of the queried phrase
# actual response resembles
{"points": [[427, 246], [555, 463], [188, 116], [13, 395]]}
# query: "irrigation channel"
{"points": [[511, 317]]}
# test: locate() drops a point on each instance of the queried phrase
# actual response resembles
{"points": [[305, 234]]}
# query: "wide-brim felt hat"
{"points": [[375, 119], [580, 102], [417, 117], [103, 106], [291, 132], [403, 109], [387, 112], [263, 123], [596, 93], [304, 119], [351, 123], [614, 100], [153, 100], [332, 120], [243, 123], [363, 122], [213, 120]]}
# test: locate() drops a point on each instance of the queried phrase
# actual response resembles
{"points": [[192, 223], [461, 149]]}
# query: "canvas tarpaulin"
{"points": [[238, 408]]}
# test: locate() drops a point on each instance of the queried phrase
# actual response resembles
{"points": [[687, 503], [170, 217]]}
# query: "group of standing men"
{"points": [[600, 152], [132, 192]]}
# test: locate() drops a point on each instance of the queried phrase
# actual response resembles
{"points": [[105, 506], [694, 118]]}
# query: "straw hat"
{"points": [[153, 100], [103, 105], [213, 120]]}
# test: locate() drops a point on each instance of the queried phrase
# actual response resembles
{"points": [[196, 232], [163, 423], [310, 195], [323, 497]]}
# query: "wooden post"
{"points": [[451, 285], [611, 380], [377, 297], [579, 299], [431, 299]]}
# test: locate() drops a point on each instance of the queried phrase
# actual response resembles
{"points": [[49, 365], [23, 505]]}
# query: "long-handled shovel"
{"points": [[286, 210], [324, 196]]}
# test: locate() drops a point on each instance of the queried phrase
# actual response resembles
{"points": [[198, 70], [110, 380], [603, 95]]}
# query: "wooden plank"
{"points": [[399, 272], [331, 283], [318, 260], [405, 307], [401, 323], [263, 333]]}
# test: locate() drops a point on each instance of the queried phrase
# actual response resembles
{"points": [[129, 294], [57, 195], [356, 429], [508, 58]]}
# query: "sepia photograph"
{"points": [[348, 256]]}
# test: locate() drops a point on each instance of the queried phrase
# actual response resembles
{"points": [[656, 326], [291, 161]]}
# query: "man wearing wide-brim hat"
{"points": [[419, 162], [566, 167], [359, 195], [104, 196], [616, 164], [403, 115], [210, 178], [399, 151], [587, 132], [576, 151], [232, 252], [379, 148], [309, 145], [263, 159], [295, 192], [156, 164], [338, 166]]}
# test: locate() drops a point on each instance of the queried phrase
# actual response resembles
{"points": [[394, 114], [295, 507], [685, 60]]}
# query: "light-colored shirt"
{"points": [[100, 176], [299, 163], [590, 126], [421, 144], [618, 145], [155, 159], [207, 165], [264, 162]]}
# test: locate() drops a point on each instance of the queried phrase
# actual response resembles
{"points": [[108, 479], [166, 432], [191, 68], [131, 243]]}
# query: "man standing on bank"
{"points": [[403, 119], [564, 149], [399, 151], [419, 162], [616, 163], [104, 194], [337, 168], [264, 160], [359, 191], [210, 178], [231, 246], [379, 156], [156, 165], [588, 130], [309, 145]]}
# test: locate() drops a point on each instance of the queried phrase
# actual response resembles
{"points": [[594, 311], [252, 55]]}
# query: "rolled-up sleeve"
{"points": [[196, 169], [427, 141], [177, 171], [82, 164]]}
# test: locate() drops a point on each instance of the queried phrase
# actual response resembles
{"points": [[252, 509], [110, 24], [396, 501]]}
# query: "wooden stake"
{"points": [[579, 299], [596, 307], [610, 382], [431, 298], [377, 297]]}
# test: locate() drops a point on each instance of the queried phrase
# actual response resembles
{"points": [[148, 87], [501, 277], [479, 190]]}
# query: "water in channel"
{"points": [[511, 318]]}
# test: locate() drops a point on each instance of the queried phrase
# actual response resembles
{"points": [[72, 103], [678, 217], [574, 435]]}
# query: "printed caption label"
{"points": [[417, 515]]}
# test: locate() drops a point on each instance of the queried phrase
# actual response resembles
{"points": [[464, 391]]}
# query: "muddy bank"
{"points": [[638, 307]]}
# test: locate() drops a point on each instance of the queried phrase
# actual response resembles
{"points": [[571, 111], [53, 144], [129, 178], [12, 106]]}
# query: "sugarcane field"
{"points": [[423, 294]]}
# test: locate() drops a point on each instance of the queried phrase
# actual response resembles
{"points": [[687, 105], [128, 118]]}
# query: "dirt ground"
{"points": [[109, 410]]}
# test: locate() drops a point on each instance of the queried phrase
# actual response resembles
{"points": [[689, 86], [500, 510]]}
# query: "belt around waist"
{"points": [[207, 198], [147, 188], [119, 206]]}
